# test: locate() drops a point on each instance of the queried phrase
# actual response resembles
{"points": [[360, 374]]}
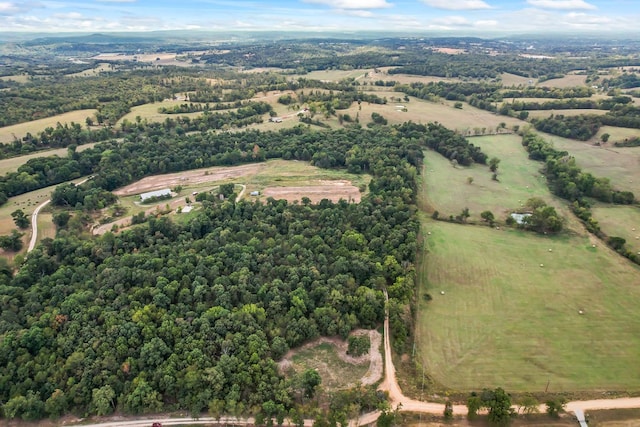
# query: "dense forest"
{"points": [[181, 316]]}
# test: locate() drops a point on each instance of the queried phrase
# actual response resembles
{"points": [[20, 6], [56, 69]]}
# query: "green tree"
{"points": [[488, 217], [493, 164], [61, 219], [12, 242], [20, 218], [310, 381], [555, 406], [56, 404], [605, 137], [103, 400], [529, 405], [448, 410], [499, 404], [474, 403]]}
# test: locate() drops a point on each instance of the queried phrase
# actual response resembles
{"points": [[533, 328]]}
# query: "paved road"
{"points": [[34, 221]]}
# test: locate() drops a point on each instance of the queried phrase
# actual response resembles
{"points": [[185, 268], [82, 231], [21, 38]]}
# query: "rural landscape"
{"points": [[329, 230]]}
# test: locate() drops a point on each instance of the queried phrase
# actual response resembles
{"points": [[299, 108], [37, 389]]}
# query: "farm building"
{"points": [[165, 192], [276, 119], [254, 193]]}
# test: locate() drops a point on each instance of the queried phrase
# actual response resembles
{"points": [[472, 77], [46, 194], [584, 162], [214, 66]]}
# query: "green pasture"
{"points": [[447, 189], [9, 133], [620, 221], [335, 373], [617, 134], [619, 164], [509, 315]]}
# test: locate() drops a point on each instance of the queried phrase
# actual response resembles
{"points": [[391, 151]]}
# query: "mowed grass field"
{"points": [[506, 321], [446, 189], [9, 133], [620, 164], [617, 134], [621, 221]]}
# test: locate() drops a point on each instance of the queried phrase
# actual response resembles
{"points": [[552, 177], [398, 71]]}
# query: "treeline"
{"points": [[192, 316], [567, 180], [566, 104], [549, 92], [198, 107], [45, 171], [624, 81], [62, 136], [340, 100], [452, 91], [583, 127]]}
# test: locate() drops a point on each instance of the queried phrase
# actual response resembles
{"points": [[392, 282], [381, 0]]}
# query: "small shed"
{"points": [[519, 217], [187, 209], [254, 193], [165, 192]]}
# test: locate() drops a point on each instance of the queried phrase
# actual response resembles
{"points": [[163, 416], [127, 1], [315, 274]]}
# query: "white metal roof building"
{"points": [[157, 193]]}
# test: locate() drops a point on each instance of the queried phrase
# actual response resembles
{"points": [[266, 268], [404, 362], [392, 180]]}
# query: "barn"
{"points": [[165, 192]]}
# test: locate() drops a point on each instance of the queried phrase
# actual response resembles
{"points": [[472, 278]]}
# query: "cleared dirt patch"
{"points": [[192, 177], [332, 190], [374, 358]]}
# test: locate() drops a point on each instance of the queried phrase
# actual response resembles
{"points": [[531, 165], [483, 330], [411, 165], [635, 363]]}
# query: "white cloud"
{"points": [[451, 21], [12, 8], [457, 4], [561, 4], [356, 12], [352, 4], [117, 1]]}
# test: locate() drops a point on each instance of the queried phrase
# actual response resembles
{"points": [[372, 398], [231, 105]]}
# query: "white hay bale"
{"points": [[441, 292], [593, 246], [541, 265], [429, 233], [550, 250], [580, 312]]}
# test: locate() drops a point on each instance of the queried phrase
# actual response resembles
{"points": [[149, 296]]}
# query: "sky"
{"points": [[458, 17]]}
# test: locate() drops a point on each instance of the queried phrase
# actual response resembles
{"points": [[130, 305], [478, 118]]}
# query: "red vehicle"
{"points": [[156, 425]]}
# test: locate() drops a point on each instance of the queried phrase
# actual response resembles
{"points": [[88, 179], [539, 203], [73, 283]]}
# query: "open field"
{"points": [[383, 75], [13, 163], [46, 227], [614, 418], [447, 190], [420, 111], [570, 80], [506, 321], [334, 75], [280, 179], [21, 78], [9, 133], [257, 177], [335, 372], [620, 165], [509, 80], [616, 134], [150, 112], [100, 68], [621, 221]]}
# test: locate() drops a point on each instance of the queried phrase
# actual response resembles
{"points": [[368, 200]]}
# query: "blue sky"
{"points": [[455, 16]]}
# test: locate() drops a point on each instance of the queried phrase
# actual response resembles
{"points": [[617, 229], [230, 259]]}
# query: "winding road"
{"points": [[34, 220]]}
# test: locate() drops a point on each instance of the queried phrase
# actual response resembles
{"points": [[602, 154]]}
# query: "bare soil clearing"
{"points": [[332, 190], [192, 177], [374, 358]]}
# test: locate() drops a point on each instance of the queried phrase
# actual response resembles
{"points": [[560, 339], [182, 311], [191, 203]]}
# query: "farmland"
{"points": [[506, 321], [13, 163], [519, 180], [620, 221], [9, 133], [619, 164]]}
